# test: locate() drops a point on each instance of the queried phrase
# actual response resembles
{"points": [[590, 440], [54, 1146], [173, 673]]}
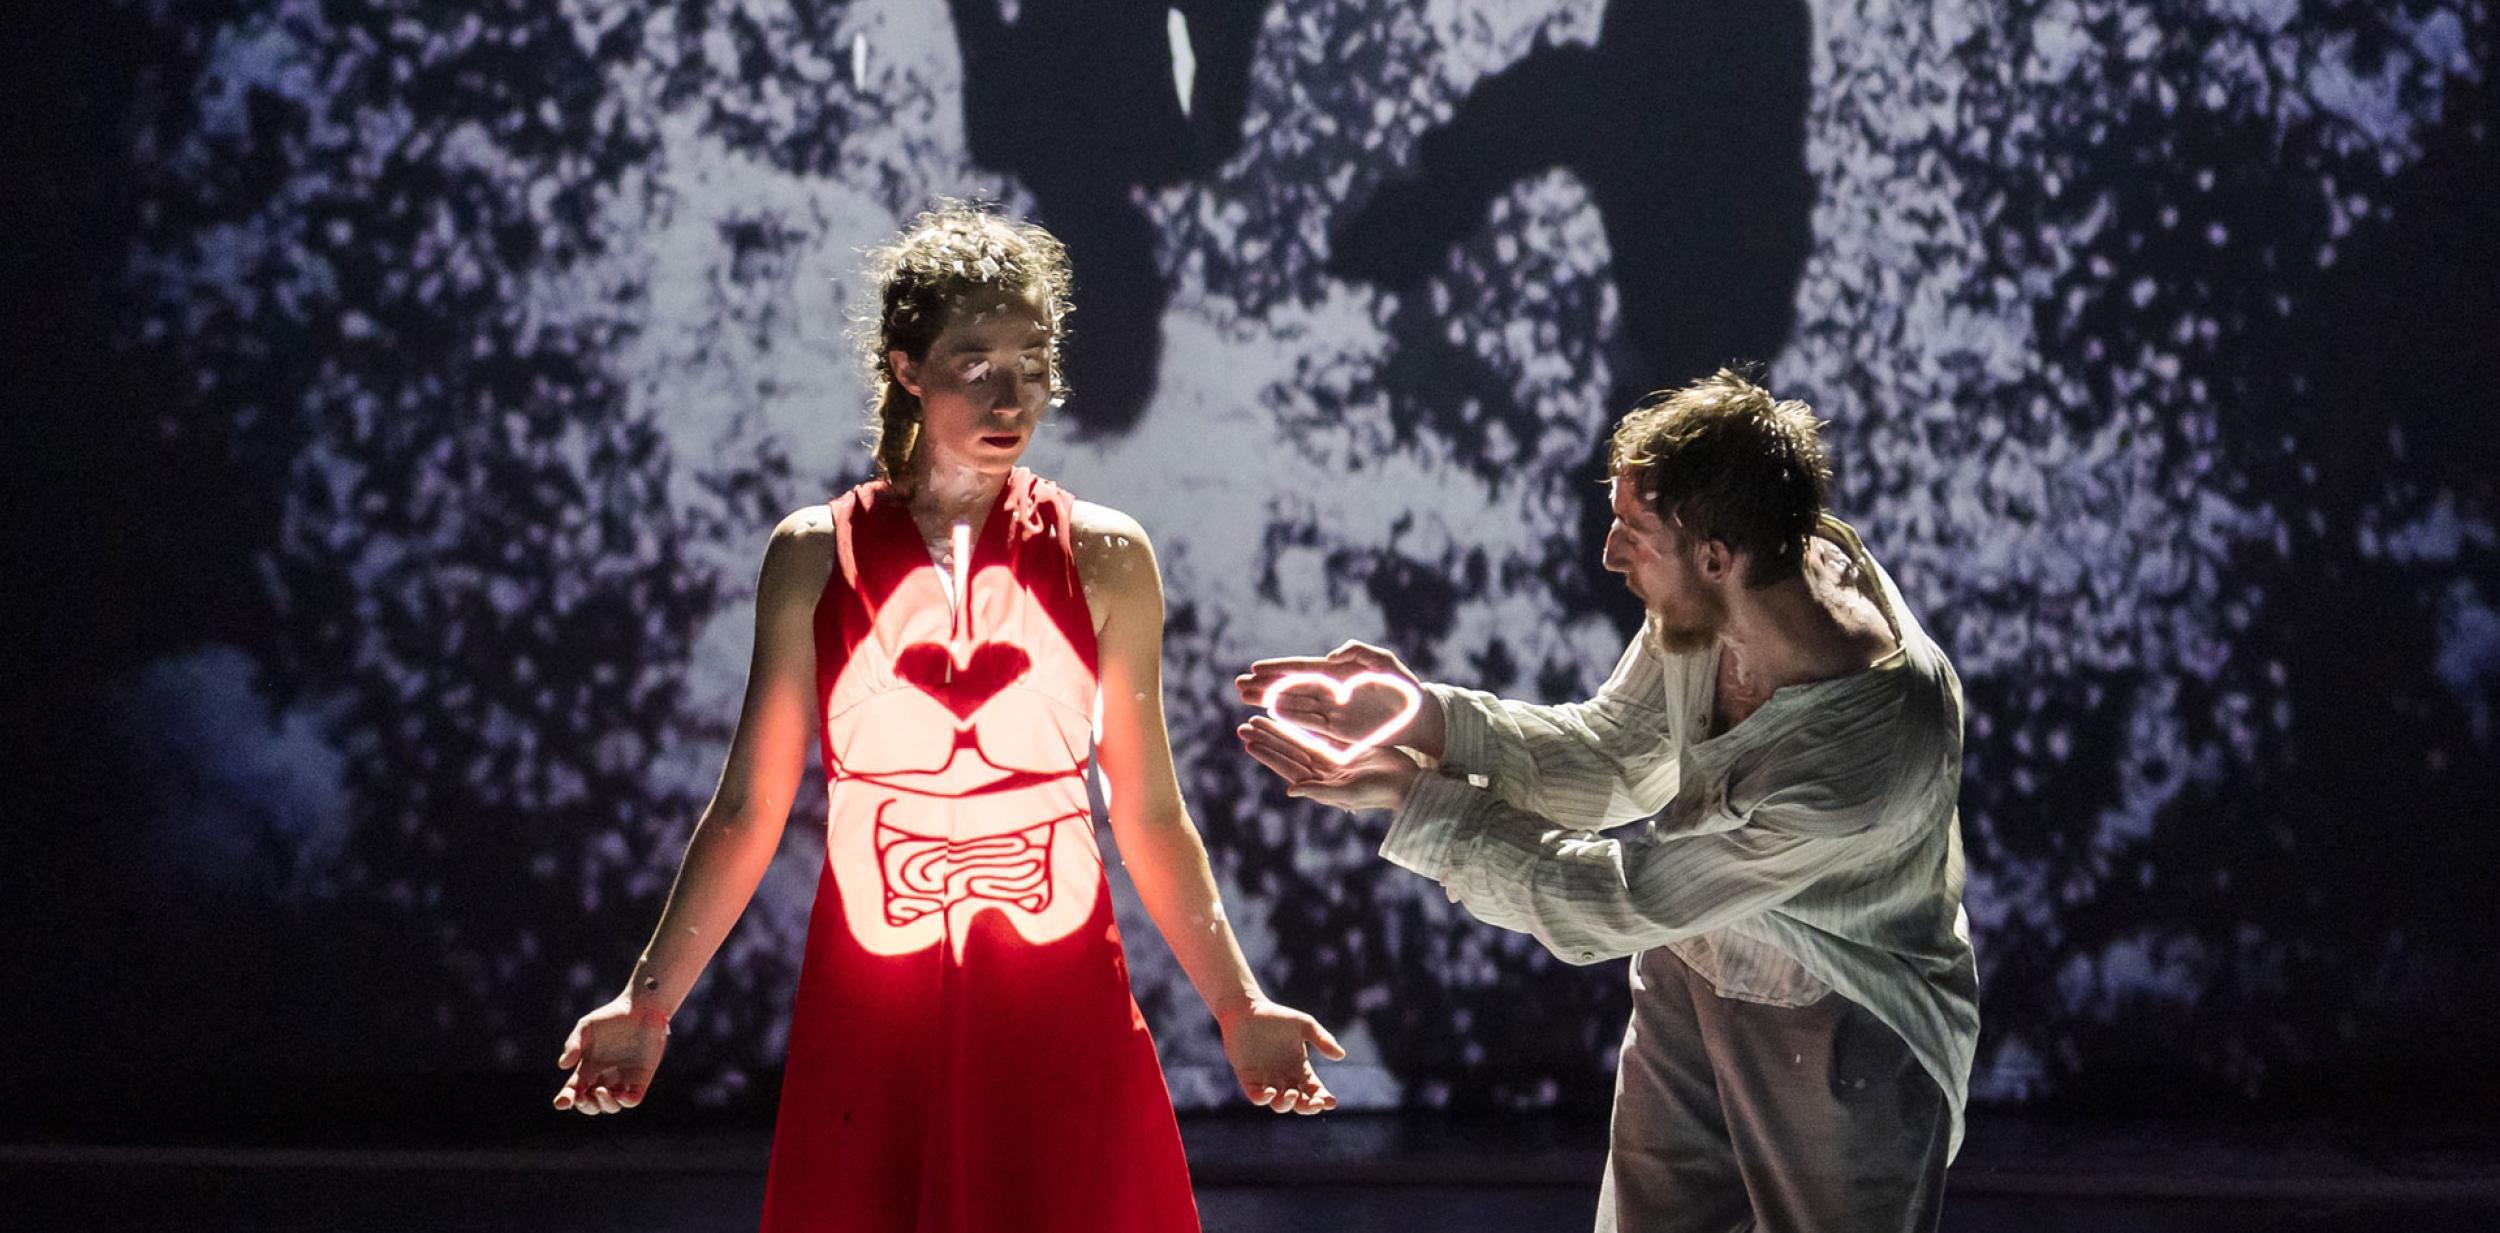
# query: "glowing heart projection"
{"points": [[962, 684], [1343, 690]]}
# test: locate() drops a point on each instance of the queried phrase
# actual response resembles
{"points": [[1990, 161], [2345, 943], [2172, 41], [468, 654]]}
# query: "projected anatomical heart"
{"points": [[956, 736]]}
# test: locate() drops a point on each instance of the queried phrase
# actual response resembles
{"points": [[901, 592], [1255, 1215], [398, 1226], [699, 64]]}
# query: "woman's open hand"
{"points": [[1269, 1047], [612, 1053]]}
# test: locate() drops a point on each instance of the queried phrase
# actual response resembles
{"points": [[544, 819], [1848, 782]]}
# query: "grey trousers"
{"points": [[1733, 1115]]}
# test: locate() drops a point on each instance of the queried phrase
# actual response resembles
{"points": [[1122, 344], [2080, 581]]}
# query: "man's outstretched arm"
{"points": [[1822, 809], [1588, 898], [1580, 765]]}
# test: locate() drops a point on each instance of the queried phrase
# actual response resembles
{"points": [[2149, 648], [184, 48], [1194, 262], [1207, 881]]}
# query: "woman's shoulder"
{"points": [[1109, 542], [821, 523], [1104, 525], [1113, 557], [806, 524], [800, 555]]}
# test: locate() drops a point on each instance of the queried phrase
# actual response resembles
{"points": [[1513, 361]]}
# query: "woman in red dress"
{"points": [[965, 1054]]}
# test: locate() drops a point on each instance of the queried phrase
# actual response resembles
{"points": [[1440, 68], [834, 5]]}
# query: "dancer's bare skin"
{"points": [[983, 386]]}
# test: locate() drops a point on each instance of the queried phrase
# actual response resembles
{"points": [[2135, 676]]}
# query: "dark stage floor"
{"points": [[1353, 1173]]}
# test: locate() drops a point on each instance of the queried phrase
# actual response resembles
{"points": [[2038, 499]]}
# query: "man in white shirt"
{"points": [[1788, 742]]}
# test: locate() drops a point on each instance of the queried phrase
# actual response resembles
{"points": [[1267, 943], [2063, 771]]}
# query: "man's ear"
{"points": [[906, 370], [1714, 558]]}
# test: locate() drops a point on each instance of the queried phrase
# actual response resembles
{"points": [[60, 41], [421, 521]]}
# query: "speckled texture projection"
{"points": [[2155, 340]]}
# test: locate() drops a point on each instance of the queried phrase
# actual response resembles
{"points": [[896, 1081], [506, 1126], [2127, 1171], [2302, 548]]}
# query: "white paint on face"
{"points": [[984, 385], [1656, 561]]}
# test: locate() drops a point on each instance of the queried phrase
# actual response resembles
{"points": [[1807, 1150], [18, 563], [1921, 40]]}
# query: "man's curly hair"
{"points": [[946, 256], [1722, 459]]}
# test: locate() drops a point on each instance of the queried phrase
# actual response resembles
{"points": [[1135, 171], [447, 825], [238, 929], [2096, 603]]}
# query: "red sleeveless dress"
{"points": [[965, 1054]]}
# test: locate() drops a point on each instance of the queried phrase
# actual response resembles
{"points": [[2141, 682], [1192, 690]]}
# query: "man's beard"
{"points": [[1686, 632]]}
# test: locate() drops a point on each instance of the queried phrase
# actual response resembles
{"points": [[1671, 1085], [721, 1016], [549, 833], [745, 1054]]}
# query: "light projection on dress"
{"points": [[961, 787], [1343, 689]]}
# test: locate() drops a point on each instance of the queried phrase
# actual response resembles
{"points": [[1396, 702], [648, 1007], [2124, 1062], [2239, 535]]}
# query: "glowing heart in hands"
{"points": [[1343, 690]]}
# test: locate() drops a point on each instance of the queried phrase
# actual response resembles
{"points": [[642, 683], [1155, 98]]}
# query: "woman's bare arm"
{"points": [[1157, 840], [615, 1048]]}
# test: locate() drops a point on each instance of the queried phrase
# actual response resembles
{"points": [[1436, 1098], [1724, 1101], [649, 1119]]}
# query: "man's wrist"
{"points": [[1430, 733], [1457, 726]]}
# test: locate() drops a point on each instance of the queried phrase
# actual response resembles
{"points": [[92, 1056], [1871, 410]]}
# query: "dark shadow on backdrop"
{"points": [[2361, 848], [2342, 881], [1686, 122], [1076, 99]]}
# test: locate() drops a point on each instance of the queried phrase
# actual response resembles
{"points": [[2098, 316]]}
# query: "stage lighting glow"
{"points": [[965, 779]]}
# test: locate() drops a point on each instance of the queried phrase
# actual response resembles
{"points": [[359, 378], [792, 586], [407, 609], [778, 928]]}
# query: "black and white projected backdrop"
{"points": [[462, 355]]}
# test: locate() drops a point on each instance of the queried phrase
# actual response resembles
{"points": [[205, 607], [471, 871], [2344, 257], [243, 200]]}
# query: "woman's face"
{"points": [[984, 384]]}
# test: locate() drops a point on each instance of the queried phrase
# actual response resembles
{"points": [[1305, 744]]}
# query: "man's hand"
{"points": [[612, 1053], [1360, 715], [1266, 1045], [1376, 779]]}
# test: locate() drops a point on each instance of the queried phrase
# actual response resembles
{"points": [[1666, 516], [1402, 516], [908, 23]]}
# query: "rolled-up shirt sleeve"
{"points": [[1582, 765]]}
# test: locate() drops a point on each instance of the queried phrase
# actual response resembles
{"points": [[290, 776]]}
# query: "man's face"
{"points": [[1657, 563]]}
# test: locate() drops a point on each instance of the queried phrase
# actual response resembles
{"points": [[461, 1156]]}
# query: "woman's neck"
{"points": [[943, 495]]}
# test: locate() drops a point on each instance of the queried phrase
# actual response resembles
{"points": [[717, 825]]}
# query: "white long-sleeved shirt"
{"points": [[1814, 847]]}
